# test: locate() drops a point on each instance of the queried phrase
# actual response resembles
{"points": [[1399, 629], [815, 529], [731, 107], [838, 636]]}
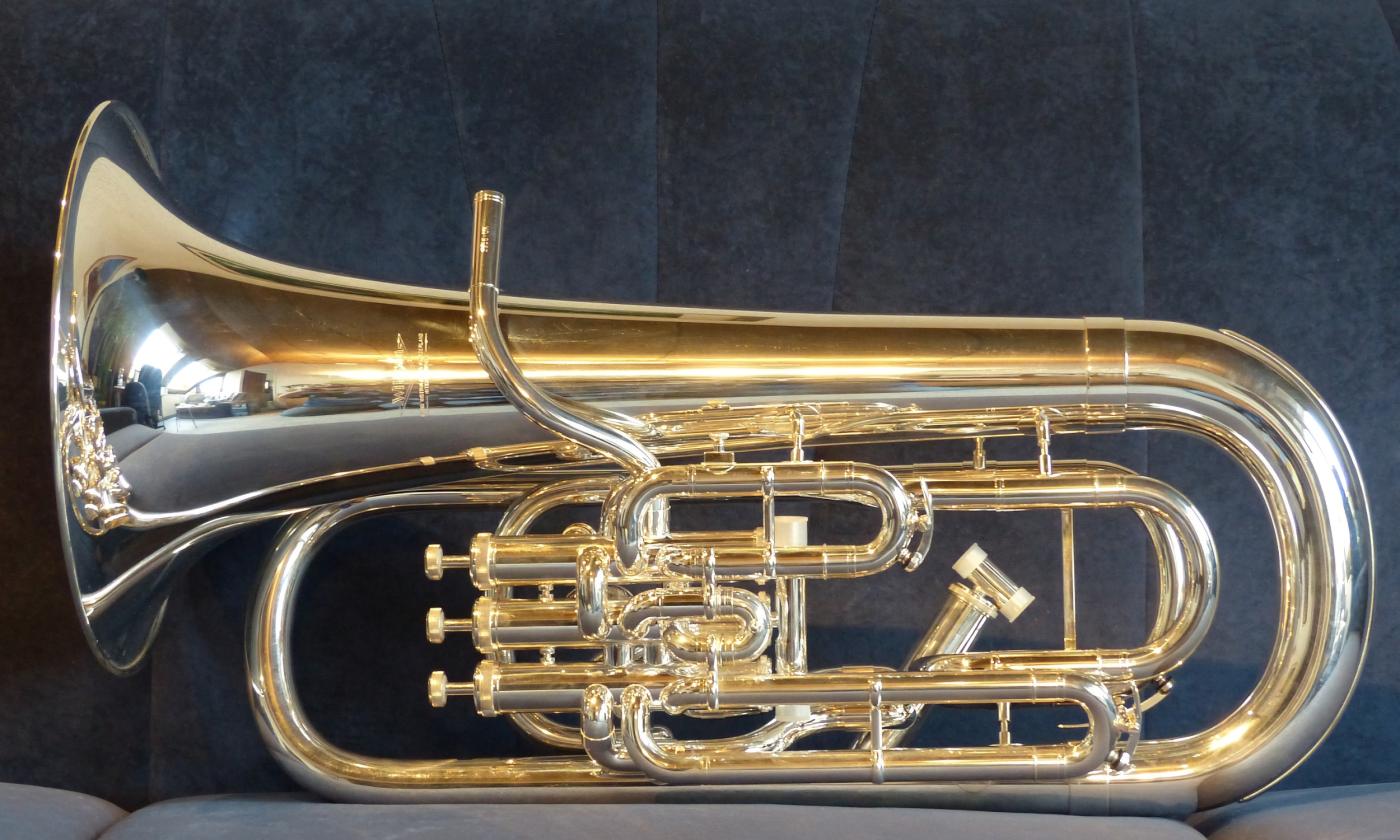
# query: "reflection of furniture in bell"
{"points": [[200, 408], [182, 412], [142, 396], [152, 379], [254, 391], [204, 411], [135, 398], [117, 418]]}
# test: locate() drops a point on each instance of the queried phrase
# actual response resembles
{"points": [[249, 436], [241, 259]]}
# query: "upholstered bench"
{"points": [[278, 817], [39, 813], [1363, 812], [1359, 812]]}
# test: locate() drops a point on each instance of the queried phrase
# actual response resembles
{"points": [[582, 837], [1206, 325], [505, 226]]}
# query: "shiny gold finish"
{"points": [[96, 491], [589, 637], [1071, 608]]}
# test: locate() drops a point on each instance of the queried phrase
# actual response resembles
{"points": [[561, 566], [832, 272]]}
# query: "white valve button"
{"points": [[792, 714], [970, 561], [789, 531], [1016, 604]]}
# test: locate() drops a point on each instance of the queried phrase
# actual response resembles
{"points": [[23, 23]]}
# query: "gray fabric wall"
{"points": [[1229, 163]]}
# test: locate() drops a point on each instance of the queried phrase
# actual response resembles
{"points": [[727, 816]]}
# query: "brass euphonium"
{"points": [[590, 637]]}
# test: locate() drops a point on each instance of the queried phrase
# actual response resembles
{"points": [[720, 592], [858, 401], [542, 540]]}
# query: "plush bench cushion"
{"points": [[272, 817], [1362, 812], [39, 813]]}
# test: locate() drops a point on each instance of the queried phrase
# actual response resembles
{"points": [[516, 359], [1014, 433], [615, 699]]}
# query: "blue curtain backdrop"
{"points": [[1234, 164]]}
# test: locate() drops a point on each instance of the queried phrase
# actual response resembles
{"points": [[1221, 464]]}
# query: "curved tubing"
{"points": [[1174, 585], [596, 724], [516, 521], [1188, 567], [602, 744], [674, 764], [295, 743], [122, 618], [1231, 392], [1245, 399], [655, 611], [570, 421], [650, 615], [629, 503]]}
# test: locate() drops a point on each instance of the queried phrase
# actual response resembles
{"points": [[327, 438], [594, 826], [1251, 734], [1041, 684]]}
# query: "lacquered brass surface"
{"points": [[388, 397]]}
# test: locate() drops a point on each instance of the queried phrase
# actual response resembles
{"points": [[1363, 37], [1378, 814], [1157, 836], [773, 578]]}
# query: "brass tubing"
{"points": [[790, 601], [1171, 593], [521, 624], [525, 624], [814, 479], [1172, 587], [498, 560], [530, 687], [1190, 560], [1173, 575], [673, 764], [684, 616], [953, 630], [1070, 605], [581, 424], [1313, 527], [596, 726], [530, 560], [516, 521], [777, 735], [281, 719], [790, 651], [956, 625], [603, 745]]}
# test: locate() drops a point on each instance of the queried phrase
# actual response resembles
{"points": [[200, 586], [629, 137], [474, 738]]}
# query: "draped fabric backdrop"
{"points": [[1230, 163]]}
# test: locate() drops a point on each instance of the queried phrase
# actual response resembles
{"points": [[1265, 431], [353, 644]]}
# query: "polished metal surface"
{"points": [[385, 397]]}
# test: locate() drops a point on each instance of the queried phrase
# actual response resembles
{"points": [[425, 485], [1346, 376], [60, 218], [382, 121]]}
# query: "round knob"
{"points": [[439, 625], [437, 689], [435, 560], [970, 561], [432, 562]]}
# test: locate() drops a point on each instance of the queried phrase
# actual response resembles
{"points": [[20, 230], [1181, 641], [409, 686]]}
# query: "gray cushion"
{"points": [[1363, 812], [39, 813], [271, 817]]}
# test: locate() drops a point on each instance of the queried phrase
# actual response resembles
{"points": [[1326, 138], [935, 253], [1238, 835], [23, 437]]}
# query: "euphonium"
{"points": [[591, 638]]}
